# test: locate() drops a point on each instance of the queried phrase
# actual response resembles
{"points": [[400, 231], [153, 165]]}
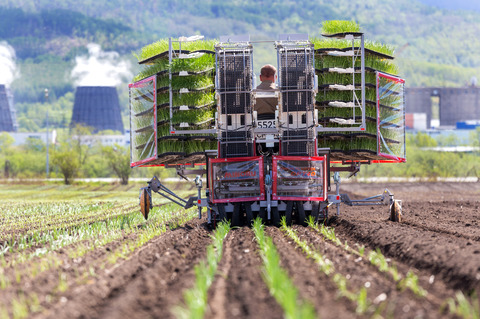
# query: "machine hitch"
{"points": [[155, 185]]}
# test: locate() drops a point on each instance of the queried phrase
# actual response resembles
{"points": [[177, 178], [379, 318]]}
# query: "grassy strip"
{"points": [[161, 46], [196, 297], [189, 99], [327, 267], [376, 258], [339, 26], [329, 61], [277, 280], [188, 116]]}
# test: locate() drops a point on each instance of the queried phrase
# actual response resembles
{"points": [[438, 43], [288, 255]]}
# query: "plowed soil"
{"points": [[438, 241]]}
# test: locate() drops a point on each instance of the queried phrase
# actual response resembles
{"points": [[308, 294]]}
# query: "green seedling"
{"points": [[196, 298], [277, 279]]}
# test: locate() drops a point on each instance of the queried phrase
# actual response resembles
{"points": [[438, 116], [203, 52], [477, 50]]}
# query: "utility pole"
{"points": [[46, 100]]}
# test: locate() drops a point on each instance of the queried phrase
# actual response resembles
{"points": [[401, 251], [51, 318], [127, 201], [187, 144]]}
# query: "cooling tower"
{"points": [[97, 107], [7, 115]]}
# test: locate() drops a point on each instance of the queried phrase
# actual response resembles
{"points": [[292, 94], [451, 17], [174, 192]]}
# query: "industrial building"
{"points": [[451, 105], [97, 107], [8, 121]]}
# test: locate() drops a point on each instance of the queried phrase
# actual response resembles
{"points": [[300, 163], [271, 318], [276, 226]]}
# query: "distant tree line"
{"points": [[71, 159]]}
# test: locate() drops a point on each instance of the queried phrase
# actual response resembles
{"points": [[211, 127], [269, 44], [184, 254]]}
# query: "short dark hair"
{"points": [[268, 70]]}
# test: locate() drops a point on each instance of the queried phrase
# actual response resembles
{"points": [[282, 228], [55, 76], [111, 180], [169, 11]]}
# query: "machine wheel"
{"points": [[396, 211], [144, 202], [221, 212], [315, 210], [301, 216], [263, 215], [249, 214], [275, 217], [236, 216], [288, 213]]}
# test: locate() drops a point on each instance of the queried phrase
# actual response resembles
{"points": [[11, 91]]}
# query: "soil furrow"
{"points": [[148, 284], [455, 260], [238, 290], [381, 288], [313, 285]]}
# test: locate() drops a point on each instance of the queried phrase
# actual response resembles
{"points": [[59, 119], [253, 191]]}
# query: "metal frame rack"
{"points": [[172, 54], [355, 53], [297, 86], [234, 83]]}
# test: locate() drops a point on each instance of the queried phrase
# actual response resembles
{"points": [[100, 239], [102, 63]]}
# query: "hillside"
{"points": [[454, 5], [435, 46]]}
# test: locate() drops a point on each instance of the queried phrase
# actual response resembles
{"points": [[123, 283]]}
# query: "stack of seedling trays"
{"points": [[339, 76], [191, 87]]}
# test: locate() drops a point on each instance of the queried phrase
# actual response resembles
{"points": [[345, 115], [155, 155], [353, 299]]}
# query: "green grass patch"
{"points": [[161, 46], [339, 26], [329, 61], [188, 99]]}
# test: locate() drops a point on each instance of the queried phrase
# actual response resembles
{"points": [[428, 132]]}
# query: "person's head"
{"points": [[267, 73]]}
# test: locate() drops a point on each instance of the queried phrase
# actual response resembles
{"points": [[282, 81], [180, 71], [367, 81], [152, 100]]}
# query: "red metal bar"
{"points": [[391, 77], [299, 158], [232, 160]]}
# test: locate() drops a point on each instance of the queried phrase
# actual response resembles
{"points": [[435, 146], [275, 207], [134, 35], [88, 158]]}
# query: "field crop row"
{"points": [[67, 254]]}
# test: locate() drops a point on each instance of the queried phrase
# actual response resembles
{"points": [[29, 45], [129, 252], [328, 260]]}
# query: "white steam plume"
{"points": [[8, 69], [100, 68]]}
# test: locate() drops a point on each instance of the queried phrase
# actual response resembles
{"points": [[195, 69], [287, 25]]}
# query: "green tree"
{"points": [[72, 152], [66, 161], [118, 159]]}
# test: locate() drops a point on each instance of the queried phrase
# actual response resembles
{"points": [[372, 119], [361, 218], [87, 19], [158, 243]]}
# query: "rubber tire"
{"points": [[289, 212], [275, 217], [144, 203], [263, 215], [221, 212], [396, 212], [315, 210], [236, 216], [301, 216], [249, 214]]}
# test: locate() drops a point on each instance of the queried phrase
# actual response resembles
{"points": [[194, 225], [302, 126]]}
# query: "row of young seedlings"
{"points": [[59, 228], [276, 278], [460, 305], [38, 224], [25, 303], [92, 234], [34, 215], [195, 299], [360, 298]]}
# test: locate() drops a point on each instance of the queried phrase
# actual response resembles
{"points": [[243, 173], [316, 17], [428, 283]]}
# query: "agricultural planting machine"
{"points": [[335, 112]]}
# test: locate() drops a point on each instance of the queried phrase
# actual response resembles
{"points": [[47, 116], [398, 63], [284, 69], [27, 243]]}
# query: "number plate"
{"points": [[266, 124]]}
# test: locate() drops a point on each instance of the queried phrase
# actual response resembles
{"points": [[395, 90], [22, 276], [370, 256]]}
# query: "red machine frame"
{"points": [[152, 78], [388, 157], [233, 160], [299, 158]]}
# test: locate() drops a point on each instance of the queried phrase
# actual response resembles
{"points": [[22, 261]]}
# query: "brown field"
{"points": [[438, 241]]}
